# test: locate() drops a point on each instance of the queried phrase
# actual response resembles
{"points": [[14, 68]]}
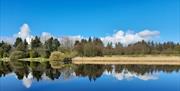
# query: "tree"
{"points": [[78, 46], [89, 48], [119, 49], [21, 47], [89, 40], [5, 51], [67, 43], [25, 44], [177, 48], [2, 43], [48, 44], [52, 44], [18, 41], [108, 50], [76, 42], [35, 43], [118, 45], [55, 44], [98, 47], [140, 47], [16, 55], [1, 52], [86, 47], [109, 45]]}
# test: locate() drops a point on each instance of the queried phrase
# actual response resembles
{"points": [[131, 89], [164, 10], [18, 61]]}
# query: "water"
{"points": [[54, 76]]}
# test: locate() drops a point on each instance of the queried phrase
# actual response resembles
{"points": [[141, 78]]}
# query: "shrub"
{"points": [[16, 55], [57, 56]]}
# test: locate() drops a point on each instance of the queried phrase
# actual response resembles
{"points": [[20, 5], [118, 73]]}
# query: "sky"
{"points": [[111, 20]]}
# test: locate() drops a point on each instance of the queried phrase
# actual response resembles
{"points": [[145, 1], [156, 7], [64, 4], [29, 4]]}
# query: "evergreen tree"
{"points": [[18, 41], [35, 43]]}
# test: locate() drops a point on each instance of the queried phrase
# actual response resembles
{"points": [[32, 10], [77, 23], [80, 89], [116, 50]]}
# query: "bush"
{"points": [[57, 56], [16, 55]]}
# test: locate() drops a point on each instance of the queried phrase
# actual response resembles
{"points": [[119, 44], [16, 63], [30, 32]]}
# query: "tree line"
{"points": [[35, 49], [85, 47], [95, 47]]}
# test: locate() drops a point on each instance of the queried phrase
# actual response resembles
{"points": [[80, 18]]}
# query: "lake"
{"points": [[55, 76]]}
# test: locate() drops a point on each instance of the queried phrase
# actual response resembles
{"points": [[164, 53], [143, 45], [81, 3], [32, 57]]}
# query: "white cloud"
{"points": [[148, 33], [7, 39], [120, 36], [129, 37], [24, 33]]}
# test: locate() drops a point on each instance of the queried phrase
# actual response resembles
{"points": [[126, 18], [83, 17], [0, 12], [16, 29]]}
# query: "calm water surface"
{"points": [[53, 76]]}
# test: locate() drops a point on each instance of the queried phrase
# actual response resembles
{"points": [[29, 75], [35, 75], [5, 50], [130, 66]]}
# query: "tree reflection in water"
{"points": [[27, 71]]}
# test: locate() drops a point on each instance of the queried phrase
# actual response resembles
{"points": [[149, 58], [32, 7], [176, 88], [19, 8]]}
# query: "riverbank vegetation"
{"points": [[92, 47]]}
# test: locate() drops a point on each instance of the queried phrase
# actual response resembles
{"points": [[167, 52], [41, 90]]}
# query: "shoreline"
{"points": [[115, 59], [148, 60]]}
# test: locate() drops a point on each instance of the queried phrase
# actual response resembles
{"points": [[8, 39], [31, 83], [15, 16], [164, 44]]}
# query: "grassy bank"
{"points": [[126, 59], [148, 59]]}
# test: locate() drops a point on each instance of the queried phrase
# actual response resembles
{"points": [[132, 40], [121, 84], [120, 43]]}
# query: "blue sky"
{"points": [[91, 17]]}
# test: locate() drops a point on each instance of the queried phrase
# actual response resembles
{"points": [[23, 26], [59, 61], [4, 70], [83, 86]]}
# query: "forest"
{"points": [[85, 47]]}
